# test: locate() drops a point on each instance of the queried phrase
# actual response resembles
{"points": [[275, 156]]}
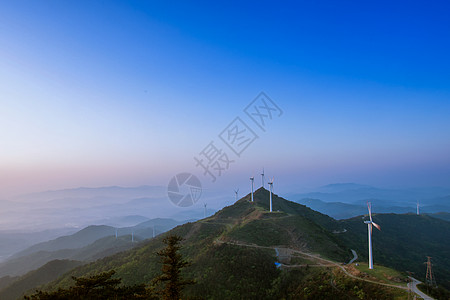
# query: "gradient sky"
{"points": [[98, 93]]}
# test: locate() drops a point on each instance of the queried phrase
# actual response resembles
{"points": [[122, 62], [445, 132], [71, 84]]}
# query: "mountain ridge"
{"points": [[233, 252], [216, 259]]}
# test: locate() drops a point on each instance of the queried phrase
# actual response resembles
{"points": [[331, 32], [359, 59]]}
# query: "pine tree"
{"points": [[173, 263], [97, 287]]}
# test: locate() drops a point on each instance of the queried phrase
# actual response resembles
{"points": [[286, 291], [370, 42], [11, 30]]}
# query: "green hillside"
{"points": [[43, 275], [100, 248], [79, 239], [442, 215], [404, 242], [233, 255]]}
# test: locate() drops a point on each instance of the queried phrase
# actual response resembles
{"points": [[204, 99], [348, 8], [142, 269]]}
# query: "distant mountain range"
{"points": [[110, 193], [339, 210], [233, 252], [347, 200], [81, 207], [12, 242], [357, 194], [88, 244]]}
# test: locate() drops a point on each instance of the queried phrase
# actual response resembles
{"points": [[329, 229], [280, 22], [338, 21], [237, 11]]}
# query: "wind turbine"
{"points": [[204, 212], [252, 179], [369, 229], [417, 207], [262, 178], [236, 192], [271, 189], [132, 236]]}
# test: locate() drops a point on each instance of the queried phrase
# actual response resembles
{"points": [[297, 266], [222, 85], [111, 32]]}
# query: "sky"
{"points": [[100, 93]]}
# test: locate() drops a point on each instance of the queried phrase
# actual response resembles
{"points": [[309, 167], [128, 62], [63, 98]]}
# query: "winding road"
{"points": [[355, 257], [413, 286], [322, 262]]}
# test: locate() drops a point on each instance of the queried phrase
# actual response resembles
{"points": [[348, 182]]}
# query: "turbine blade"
{"points": [[377, 226], [370, 211]]}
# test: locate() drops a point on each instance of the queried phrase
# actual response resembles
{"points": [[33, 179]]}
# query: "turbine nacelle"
{"points": [[369, 207]]}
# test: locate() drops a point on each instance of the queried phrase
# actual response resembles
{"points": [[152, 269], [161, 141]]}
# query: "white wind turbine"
{"points": [[369, 229], [417, 207], [271, 189], [236, 192], [262, 178], [252, 179], [204, 211]]}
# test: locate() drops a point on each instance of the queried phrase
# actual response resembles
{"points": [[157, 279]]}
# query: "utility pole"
{"points": [[430, 280]]}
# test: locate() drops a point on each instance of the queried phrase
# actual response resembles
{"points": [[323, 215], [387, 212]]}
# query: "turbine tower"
{"points": [[204, 211], [262, 178], [270, 199], [369, 229], [132, 236], [417, 207], [252, 179], [236, 192]]}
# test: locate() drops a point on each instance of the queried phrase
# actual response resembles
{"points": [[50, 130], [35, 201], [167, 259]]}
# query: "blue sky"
{"points": [[127, 92]]}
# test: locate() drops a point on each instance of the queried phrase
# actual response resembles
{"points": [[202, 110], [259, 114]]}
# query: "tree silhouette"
{"points": [[98, 287], [173, 263]]}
